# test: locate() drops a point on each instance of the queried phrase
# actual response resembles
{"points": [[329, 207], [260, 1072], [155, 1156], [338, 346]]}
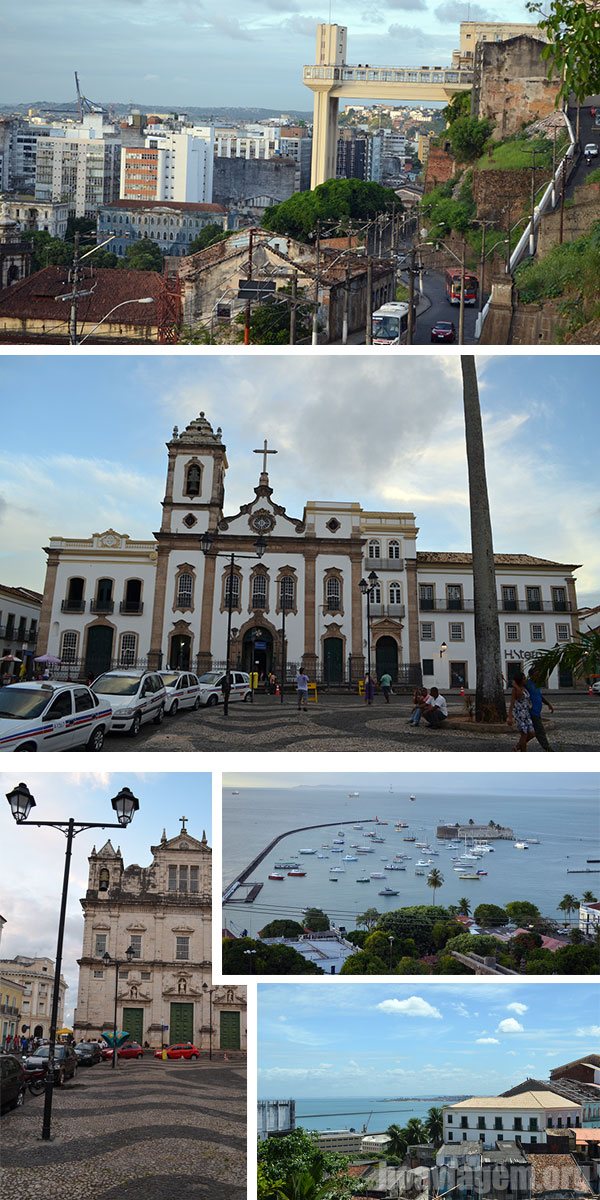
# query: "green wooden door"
{"points": [[133, 1024], [181, 1028], [333, 660], [99, 647], [230, 1031]]}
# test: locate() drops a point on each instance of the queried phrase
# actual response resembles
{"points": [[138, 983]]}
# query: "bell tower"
{"points": [[194, 494]]}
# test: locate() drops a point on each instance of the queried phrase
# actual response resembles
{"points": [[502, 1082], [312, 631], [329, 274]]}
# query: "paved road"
{"points": [[147, 1131], [343, 723], [440, 310], [587, 133]]}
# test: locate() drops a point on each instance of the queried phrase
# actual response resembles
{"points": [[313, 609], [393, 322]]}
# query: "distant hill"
{"points": [[206, 114]]}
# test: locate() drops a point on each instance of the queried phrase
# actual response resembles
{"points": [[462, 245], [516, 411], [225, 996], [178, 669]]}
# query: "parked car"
{"points": [[183, 690], [52, 716], [135, 697], [65, 1061], [127, 1050], [179, 1050], [88, 1053], [211, 687], [12, 1082], [443, 331], [596, 687]]}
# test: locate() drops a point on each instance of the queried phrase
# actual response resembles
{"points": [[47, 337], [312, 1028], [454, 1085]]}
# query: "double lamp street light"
{"points": [[207, 542], [368, 588], [21, 801]]}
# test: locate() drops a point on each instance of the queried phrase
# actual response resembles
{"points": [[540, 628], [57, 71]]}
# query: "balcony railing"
{"points": [[532, 606], [102, 606], [387, 610], [131, 607], [383, 564], [72, 606], [430, 605]]}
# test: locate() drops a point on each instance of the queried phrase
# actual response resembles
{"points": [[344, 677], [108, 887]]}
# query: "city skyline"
{"points": [[76, 478], [417, 1039], [248, 56]]}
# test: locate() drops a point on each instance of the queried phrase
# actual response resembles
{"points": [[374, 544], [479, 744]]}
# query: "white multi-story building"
{"points": [[19, 622], [80, 164], [109, 599], [179, 167], [589, 919], [31, 215], [526, 1118], [19, 139], [275, 1118], [36, 977]]}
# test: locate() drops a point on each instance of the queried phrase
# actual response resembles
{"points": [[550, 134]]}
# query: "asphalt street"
{"points": [[148, 1131], [344, 723]]}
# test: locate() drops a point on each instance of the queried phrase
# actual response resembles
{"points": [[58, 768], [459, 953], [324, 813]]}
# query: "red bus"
{"points": [[453, 280]]}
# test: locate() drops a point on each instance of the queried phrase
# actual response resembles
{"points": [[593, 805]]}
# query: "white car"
{"points": [[183, 690], [52, 716], [591, 150], [596, 687], [135, 698], [211, 687]]}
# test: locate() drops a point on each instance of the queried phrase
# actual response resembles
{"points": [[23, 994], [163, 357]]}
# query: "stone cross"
{"points": [[183, 821], [265, 451]]}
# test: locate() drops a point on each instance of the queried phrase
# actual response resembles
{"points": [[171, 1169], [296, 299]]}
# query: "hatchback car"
{"points": [[179, 1050], [183, 690], [443, 331], [12, 1082], [88, 1053], [211, 687], [52, 716], [596, 687], [127, 1050], [65, 1061], [135, 697], [591, 150]]}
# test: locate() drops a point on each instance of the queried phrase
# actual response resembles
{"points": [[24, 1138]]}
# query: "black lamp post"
{"points": [[206, 543], [367, 587], [252, 961], [107, 960], [283, 599], [206, 989], [21, 803]]}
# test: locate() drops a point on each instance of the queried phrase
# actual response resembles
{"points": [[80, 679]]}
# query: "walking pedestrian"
{"points": [[385, 684], [420, 695], [272, 683], [369, 689], [302, 690], [537, 701], [519, 712]]}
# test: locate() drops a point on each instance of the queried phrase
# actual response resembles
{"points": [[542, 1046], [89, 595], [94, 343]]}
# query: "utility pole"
{"points": [[461, 311], [293, 308], [482, 267], [248, 301], [369, 304], [315, 320], [410, 327], [532, 230], [562, 200], [346, 307], [74, 281]]}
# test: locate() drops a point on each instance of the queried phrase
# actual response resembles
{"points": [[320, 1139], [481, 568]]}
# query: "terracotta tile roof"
{"points": [[557, 1173], [587, 1135], [21, 593], [501, 560], [358, 1169], [176, 205], [526, 1100], [37, 296]]}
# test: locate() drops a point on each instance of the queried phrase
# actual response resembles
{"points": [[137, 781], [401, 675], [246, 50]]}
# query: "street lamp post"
{"points": [[107, 960], [367, 587], [283, 599], [206, 989], [252, 961], [206, 543], [21, 803], [122, 303]]}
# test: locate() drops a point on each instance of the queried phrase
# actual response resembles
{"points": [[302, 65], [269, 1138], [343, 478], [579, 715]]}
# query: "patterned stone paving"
{"points": [[149, 1131]]}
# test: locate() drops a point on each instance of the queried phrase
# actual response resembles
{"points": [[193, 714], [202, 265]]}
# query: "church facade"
{"points": [[163, 914], [113, 601]]}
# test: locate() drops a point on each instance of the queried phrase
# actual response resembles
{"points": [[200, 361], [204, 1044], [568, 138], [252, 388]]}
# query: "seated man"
{"points": [[435, 709]]}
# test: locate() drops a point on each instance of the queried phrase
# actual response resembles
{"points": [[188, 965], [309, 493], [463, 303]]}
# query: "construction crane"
{"points": [[83, 104]]}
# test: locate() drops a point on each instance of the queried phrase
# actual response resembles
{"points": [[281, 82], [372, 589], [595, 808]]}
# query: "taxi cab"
{"points": [[183, 690], [211, 687], [135, 698], [52, 716]]}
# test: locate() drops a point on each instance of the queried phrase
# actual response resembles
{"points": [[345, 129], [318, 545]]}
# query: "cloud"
{"points": [[485, 1041], [303, 26], [409, 5], [509, 1025], [415, 1006], [517, 1008], [461, 1009], [459, 10], [588, 1031], [410, 33]]}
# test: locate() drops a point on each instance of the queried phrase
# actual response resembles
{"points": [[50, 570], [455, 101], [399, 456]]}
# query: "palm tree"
{"points": [[434, 1124], [398, 1141], [581, 656], [435, 880], [568, 904], [464, 907], [416, 1132], [589, 898], [490, 704]]}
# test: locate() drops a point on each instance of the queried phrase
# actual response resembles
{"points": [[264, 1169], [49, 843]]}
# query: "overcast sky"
{"points": [[33, 859], [194, 53], [87, 447], [389, 1040]]}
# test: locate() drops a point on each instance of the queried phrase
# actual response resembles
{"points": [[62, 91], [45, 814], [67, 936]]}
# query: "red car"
{"points": [[179, 1050], [443, 331], [127, 1050]]}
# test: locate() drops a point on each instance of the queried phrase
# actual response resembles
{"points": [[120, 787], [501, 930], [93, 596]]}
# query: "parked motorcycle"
{"points": [[35, 1080]]}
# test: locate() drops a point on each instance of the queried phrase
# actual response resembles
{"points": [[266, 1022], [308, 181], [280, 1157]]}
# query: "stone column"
{"points": [[309, 657], [48, 601], [155, 653], [412, 614], [204, 657], [356, 600]]}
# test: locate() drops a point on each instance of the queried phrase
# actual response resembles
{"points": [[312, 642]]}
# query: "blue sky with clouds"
{"points": [[33, 859], [193, 53], [387, 1040], [87, 450]]}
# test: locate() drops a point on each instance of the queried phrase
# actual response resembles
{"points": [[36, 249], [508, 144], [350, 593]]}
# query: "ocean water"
{"points": [[568, 828], [377, 1114]]}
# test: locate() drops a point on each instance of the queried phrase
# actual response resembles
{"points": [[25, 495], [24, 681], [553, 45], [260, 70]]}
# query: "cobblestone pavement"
{"points": [[344, 723], [148, 1131]]}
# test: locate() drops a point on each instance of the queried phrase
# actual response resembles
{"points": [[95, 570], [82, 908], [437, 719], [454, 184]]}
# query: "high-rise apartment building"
{"points": [[79, 164], [170, 166]]}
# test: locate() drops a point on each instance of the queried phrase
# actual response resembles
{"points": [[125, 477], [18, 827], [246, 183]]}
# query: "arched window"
{"points": [[232, 585], [68, 646], [259, 591], [128, 649], [193, 480], [333, 594], [395, 593], [103, 879], [75, 593], [185, 585], [376, 594], [374, 549], [394, 549], [287, 592]]}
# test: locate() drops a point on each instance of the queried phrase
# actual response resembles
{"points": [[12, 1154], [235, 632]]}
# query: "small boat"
{"points": [[412, 797], [336, 870], [307, 850], [388, 892], [338, 841], [333, 879], [274, 875], [418, 871], [395, 867], [377, 875], [481, 872], [353, 794], [469, 875], [363, 879], [378, 821], [370, 833], [378, 839], [322, 856], [520, 846], [424, 863], [357, 827], [235, 793], [297, 873], [337, 849], [287, 866], [364, 850], [401, 825], [409, 839], [350, 858], [341, 833]]}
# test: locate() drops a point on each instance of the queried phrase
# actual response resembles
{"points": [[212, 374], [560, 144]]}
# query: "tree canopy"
{"points": [[144, 255], [265, 960], [336, 202], [467, 137], [573, 51], [207, 237]]}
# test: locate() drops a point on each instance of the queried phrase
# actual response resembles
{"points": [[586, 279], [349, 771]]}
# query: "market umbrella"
{"points": [[48, 658], [63, 1032]]}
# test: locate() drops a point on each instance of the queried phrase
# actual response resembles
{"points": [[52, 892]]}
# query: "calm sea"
{"points": [[568, 829], [377, 1115]]}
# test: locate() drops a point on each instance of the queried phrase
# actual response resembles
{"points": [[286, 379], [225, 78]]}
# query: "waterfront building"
{"points": [[35, 976], [172, 225], [113, 600], [527, 1116], [275, 1118], [589, 918], [340, 1141]]}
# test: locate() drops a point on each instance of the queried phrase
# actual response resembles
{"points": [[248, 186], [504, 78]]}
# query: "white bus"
{"points": [[390, 323]]}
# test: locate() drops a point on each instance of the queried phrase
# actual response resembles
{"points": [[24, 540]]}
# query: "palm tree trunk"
{"points": [[490, 704]]}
